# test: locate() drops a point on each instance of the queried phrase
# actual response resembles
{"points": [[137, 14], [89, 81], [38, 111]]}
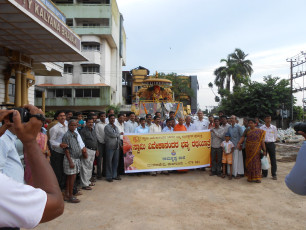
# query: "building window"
{"points": [[90, 47], [87, 93], [11, 90], [69, 22], [38, 94], [87, 24], [63, 1], [136, 88], [90, 69], [51, 93], [68, 69]]}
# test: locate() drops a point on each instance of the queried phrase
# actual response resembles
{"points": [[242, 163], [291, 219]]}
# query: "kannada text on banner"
{"points": [[166, 151]]}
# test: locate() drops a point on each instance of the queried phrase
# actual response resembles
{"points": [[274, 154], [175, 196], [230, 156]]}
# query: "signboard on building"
{"points": [[48, 18]]}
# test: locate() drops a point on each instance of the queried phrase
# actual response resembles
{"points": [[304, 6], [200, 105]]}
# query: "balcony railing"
{"points": [[97, 30]]}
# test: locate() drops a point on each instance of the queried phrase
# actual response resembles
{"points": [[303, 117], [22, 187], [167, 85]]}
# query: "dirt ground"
{"points": [[193, 200]]}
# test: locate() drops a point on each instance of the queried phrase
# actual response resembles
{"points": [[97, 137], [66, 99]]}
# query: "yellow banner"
{"points": [[166, 151]]}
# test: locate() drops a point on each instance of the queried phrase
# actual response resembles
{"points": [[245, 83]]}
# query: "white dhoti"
{"points": [[86, 167], [238, 168]]}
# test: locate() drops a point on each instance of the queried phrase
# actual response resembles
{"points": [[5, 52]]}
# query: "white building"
{"points": [[95, 84]]}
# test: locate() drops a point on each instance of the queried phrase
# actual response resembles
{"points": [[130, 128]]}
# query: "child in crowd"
{"points": [[81, 123], [227, 157]]}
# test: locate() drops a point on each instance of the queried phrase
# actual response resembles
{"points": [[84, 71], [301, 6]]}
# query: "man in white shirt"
{"points": [[148, 120], [101, 145], [131, 124], [22, 206], [201, 124], [189, 126], [156, 128], [270, 138], [57, 157]]}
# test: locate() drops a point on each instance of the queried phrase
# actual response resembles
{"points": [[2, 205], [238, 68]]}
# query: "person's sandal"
{"points": [[258, 181], [86, 188], [92, 184], [73, 200], [78, 193], [223, 176]]}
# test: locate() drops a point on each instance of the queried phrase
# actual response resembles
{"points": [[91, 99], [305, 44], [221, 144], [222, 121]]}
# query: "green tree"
{"points": [[258, 99], [180, 86], [298, 113], [236, 69], [242, 68]]}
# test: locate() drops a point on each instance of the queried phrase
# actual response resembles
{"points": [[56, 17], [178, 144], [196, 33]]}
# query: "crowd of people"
{"points": [[84, 151]]}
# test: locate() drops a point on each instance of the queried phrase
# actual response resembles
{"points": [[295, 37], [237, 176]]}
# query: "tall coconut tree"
{"points": [[236, 69], [242, 66], [223, 74]]}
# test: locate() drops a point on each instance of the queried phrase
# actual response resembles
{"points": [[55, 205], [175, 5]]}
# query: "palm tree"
{"points": [[223, 74], [220, 77], [236, 69], [243, 68]]}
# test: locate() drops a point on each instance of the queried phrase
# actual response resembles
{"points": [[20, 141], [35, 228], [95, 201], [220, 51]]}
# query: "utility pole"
{"points": [[296, 61], [291, 86]]}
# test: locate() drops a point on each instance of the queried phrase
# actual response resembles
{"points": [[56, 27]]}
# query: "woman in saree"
{"points": [[255, 142]]}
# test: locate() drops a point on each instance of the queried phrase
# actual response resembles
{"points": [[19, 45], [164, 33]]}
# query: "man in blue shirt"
{"points": [[296, 179], [168, 128], [142, 128], [10, 163], [235, 131]]}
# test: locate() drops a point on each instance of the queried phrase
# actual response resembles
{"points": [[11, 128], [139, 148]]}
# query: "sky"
{"points": [[191, 37]]}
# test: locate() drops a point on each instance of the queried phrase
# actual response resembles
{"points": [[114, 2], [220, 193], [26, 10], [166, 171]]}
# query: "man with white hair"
{"points": [[188, 124], [201, 124]]}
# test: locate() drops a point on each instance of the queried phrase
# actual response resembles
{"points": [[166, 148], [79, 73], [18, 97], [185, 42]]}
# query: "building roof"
{"points": [[33, 29]]}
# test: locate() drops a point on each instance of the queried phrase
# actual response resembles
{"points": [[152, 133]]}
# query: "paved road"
{"points": [[185, 201]]}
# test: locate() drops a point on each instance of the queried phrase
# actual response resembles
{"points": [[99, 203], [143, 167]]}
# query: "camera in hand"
{"points": [[300, 126], [24, 114]]}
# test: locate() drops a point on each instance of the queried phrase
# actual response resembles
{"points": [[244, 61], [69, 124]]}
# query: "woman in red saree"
{"points": [[255, 142]]}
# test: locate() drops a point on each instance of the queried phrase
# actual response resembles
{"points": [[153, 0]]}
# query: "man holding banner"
{"points": [[217, 135]]}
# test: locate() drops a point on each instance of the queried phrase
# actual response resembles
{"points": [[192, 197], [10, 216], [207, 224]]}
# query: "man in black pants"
{"points": [[270, 138]]}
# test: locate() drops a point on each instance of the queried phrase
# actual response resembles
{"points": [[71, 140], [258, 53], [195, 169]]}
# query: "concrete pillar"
{"points": [[24, 89], [6, 96], [43, 101], [18, 87]]}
